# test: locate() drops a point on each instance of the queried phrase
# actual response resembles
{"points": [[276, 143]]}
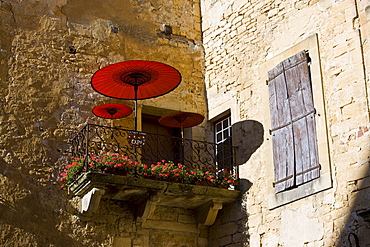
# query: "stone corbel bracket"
{"points": [[207, 213], [145, 195], [90, 201], [145, 209]]}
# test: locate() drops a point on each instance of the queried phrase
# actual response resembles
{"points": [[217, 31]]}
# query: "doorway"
{"points": [[162, 143]]}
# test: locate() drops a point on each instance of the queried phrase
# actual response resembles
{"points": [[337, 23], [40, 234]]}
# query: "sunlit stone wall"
{"points": [[241, 39], [49, 50]]}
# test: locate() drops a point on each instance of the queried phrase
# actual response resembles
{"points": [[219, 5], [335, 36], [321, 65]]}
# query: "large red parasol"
{"points": [[136, 79], [112, 111]]}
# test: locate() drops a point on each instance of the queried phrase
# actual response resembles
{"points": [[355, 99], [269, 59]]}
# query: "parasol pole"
{"points": [[135, 92], [135, 105], [182, 144]]}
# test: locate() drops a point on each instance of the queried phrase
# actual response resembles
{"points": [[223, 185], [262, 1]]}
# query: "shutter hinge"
{"points": [[267, 82], [270, 131]]}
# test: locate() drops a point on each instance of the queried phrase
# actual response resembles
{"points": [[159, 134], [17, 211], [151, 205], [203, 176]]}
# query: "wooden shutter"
{"points": [[293, 123], [282, 134]]}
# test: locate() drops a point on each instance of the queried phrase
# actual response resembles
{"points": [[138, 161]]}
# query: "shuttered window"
{"points": [[293, 123]]}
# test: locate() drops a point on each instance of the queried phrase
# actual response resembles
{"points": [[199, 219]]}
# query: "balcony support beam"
{"points": [[207, 213], [144, 195], [146, 208], [90, 201]]}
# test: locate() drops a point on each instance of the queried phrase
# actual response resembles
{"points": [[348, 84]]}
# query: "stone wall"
{"points": [[49, 50], [240, 39]]}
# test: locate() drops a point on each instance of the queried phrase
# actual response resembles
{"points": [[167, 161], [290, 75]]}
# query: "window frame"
{"points": [[293, 130], [228, 139], [325, 180]]}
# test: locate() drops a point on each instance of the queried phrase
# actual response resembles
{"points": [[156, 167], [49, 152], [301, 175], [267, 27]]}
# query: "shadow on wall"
{"points": [[231, 228], [248, 137], [356, 230], [24, 217]]}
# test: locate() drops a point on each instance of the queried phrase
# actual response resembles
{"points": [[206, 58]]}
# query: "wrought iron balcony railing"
{"points": [[149, 148]]}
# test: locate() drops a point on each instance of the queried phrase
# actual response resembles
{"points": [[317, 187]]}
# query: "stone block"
{"points": [[186, 219], [121, 242], [254, 209], [270, 239], [357, 172], [227, 229], [307, 229], [239, 237], [353, 109], [174, 226], [202, 242], [224, 241]]}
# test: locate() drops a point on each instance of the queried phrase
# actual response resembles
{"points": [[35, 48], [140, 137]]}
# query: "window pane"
{"points": [[219, 137], [226, 123], [218, 127], [226, 134]]}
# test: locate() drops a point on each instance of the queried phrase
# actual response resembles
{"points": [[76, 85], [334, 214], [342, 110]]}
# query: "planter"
{"points": [[119, 164], [116, 172]]}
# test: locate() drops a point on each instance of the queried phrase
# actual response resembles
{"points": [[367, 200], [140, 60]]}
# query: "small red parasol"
{"points": [[181, 119], [136, 80], [112, 111]]}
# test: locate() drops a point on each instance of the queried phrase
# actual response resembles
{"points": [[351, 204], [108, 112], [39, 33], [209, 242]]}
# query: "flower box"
{"points": [[115, 163]]}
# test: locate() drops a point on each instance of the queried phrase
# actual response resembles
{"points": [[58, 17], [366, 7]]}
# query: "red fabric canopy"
{"points": [[112, 111], [148, 78], [181, 119]]}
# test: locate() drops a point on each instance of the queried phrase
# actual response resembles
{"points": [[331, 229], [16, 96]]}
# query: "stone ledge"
{"points": [[173, 226], [145, 194]]}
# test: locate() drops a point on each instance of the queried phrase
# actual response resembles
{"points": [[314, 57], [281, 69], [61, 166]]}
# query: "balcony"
{"points": [[150, 148], [144, 194]]}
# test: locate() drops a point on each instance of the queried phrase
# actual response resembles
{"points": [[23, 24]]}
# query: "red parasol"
{"points": [[112, 111], [136, 79], [181, 119]]}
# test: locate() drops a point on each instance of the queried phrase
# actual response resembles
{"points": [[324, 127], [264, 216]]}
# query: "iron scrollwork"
{"points": [[152, 148]]}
